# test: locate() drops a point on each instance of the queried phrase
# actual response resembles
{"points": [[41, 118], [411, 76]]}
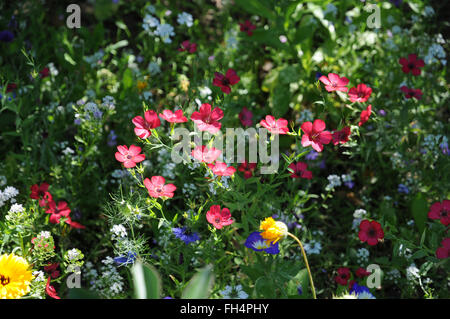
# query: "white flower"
{"points": [[165, 31], [313, 247], [2, 180], [39, 276], [359, 213], [234, 293], [119, 231], [185, 18], [45, 234], [68, 151], [10, 192], [16, 208], [412, 273], [428, 11], [73, 254], [153, 68]]}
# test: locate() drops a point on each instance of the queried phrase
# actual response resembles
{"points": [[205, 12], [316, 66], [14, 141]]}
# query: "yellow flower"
{"points": [[141, 85], [273, 230], [15, 277]]}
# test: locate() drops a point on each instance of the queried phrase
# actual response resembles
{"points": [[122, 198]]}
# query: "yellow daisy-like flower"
{"points": [[273, 230], [141, 85], [15, 277]]}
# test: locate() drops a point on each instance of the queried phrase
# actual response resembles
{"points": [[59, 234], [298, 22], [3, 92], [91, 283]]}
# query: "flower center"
{"points": [[217, 220], [158, 190], [372, 233], [411, 65], [225, 81], [4, 280], [129, 157], [444, 213]]}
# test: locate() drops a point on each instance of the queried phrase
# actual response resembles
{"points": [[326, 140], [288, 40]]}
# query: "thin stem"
{"points": [[306, 262]]}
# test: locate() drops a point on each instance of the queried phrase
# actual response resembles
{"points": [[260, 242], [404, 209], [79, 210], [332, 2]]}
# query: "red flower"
{"points": [[248, 27], [365, 114], [224, 81], [361, 273], [129, 157], [219, 218], [205, 155], [62, 210], [411, 64], [221, 169], [343, 276], [361, 93], [143, 126], [299, 170], [334, 82], [206, 119], [444, 251], [440, 211], [370, 232], [156, 187], [410, 93], [188, 46], [173, 117], [45, 72], [50, 290], [41, 193], [341, 136], [11, 87], [73, 224], [247, 168], [246, 117], [275, 126], [51, 269], [315, 135]]}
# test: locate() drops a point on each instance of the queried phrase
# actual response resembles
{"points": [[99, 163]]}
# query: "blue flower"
{"points": [[6, 36], [126, 260], [257, 243], [185, 235], [299, 290], [311, 156], [402, 188], [362, 292]]}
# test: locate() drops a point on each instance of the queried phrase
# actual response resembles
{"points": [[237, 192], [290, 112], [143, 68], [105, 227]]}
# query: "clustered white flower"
{"points": [[107, 281], [8, 194], [312, 247], [185, 18], [118, 231], [412, 274], [362, 256], [393, 275], [333, 182]]}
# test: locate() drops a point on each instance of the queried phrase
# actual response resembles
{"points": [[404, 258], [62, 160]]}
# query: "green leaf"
{"points": [[300, 279], [81, 293], [127, 79], [199, 287], [146, 280], [69, 59], [419, 209], [258, 7], [264, 288]]}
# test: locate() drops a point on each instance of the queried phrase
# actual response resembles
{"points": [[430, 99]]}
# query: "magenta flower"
{"points": [[341, 136], [315, 135], [156, 187], [275, 126], [440, 211], [361, 93], [411, 93], [300, 170], [221, 169], [129, 157], [206, 119], [247, 27], [219, 218], [246, 117], [365, 115], [190, 47], [143, 126], [334, 82], [205, 155], [173, 117], [411, 64], [224, 81]]}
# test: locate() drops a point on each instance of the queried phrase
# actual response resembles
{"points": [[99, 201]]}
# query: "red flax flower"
{"points": [[219, 218], [129, 157], [370, 232], [246, 117], [334, 82], [248, 27], [173, 117], [361, 93], [299, 170], [206, 119], [144, 125], [247, 169], [221, 169], [190, 47], [440, 211], [444, 251], [11, 87], [361, 273], [157, 187], [58, 211], [411, 93], [205, 155], [315, 135], [411, 64], [50, 290], [52, 270], [41, 193], [343, 276], [341, 136], [275, 126], [45, 72], [224, 81], [365, 114]]}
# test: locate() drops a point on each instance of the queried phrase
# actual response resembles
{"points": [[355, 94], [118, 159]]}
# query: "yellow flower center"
{"points": [[273, 230]]}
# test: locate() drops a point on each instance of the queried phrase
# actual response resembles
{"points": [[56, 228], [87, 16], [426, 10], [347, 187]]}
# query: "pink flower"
{"points": [[361, 93], [205, 155], [224, 81], [246, 117], [334, 83], [173, 117], [188, 46], [206, 119], [62, 210], [365, 114], [221, 169], [341, 136], [219, 218], [440, 211], [315, 135], [129, 157], [411, 93], [299, 170], [41, 193], [143, 126], [248, 27], [370, 232], [156, 187], [411, 64], [247, 169], [275, 126], [444, 251]]}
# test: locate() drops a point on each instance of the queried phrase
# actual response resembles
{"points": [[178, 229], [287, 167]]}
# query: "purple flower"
{"points": [[6, 36], [349, 184], [311, 156], [382, 112], [126, 260], [185, 235], [444, 148], [402, 188], [257, 243], [77, 122]]}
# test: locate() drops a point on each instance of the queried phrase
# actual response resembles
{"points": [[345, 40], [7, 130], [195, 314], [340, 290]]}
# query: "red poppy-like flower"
{"points": [[205, 155], [360, 93], [45, 72], [173, 117], [361, 273], [74, 224], [365, 114], [157, 187], [275, 126], [341, 136], [51, 269], [300, 170], [190, 47], [246, 117], [50, 290], [41, 193], [57, 211], [444, 251], [221, 169], [411, 64], [206, 119], [370, 232], [129, 157], [334, 82], [224, 81], [315, 135], [219, 218], [411, 93], [248, 27], [247, 169], [343, 276], [11, 87], [440, 211], [143, 126]]}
